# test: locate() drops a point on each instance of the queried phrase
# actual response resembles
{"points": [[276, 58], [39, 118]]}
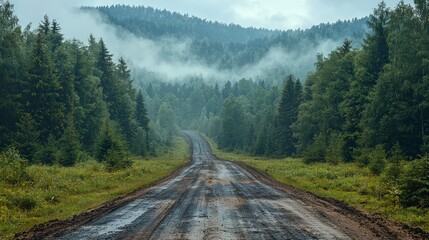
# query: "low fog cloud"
{"points": [[169, 58]]}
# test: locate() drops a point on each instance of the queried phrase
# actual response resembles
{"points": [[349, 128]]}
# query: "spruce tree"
{"points": [[11, 73], [141, 112], [69, 144], [287, 114], [43, 91], [26, 137]]}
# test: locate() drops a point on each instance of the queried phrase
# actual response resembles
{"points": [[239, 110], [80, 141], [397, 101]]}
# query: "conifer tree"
{"points": [[141, 112], [69, 144], [287, 114], [26, 137], [11, 73], [43, 91]]}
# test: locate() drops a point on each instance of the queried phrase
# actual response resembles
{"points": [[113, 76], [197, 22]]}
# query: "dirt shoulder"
{"points": [[54, 228], [353, 221]]}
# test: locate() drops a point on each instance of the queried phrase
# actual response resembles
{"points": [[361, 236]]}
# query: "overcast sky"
{"points": [[272, 14]]}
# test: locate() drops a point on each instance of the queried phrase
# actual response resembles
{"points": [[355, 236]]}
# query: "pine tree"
{"points": [[141, 112], [56, 37], [43, 92], [125, 78], [90, 107], [69, 144], [26, 138], [107, 78], [11, 73], [142, 119], [111, 149], [45, 26], [287, 114]]}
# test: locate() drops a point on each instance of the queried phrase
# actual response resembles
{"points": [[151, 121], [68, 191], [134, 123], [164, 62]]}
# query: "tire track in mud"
{"points": [[216, 199]]}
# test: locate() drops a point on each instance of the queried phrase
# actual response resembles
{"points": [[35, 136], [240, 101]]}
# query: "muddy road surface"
{"points": [[215, 199]]}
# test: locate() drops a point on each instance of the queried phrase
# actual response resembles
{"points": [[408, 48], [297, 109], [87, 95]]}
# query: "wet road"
{"points": [[212, 199]]}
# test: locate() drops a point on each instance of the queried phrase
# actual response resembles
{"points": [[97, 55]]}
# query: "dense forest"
{"points": [[229, 47], [62, 100]]}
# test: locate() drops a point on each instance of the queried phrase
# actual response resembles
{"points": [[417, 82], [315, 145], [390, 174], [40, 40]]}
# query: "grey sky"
{"points": [[273, 14]]}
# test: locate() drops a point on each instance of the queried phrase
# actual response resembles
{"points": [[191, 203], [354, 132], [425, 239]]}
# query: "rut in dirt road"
{"points": [[213, 199]]}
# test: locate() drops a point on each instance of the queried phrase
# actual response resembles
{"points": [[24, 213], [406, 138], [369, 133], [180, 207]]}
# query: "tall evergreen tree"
{"points": [[43, 90], [11, 69], [26, 137], [287, 114], [90, 109], [141, 112], [69, 144]]}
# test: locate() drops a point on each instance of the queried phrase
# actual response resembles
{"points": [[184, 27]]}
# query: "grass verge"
{"points": [[349, 183], [59, 193]]}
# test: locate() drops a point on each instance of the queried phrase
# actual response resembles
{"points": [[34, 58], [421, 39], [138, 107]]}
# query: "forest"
{"points": [[64, 101]]}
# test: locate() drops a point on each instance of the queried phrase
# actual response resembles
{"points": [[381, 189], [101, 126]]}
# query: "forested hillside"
{"points": [[231, 47], [63, 100]]}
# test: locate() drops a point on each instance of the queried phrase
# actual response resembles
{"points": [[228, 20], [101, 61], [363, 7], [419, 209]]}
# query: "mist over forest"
{"points": [[176, 47]]}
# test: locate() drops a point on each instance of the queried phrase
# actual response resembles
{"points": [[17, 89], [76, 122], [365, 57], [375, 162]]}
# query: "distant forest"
{"points": [[229, 46]]}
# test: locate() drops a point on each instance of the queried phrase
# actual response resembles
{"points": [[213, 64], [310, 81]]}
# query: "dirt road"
{"points": [[215, 199]]}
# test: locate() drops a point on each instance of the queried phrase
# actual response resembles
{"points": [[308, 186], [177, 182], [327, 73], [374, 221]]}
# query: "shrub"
{"points": [[116, 160], [396, 154], [109, 140], [392, 173], [316, 151], [24, 202], [48, 153], [335, 151], [362, 156], [377, 160], [414, 186], [53, 198], [13, 167], [70, 145]]}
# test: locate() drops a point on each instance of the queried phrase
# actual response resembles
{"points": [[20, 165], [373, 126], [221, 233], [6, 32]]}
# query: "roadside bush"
{"points": [[48, 153], [52, 198], [111, 150], [377, 160], [316, 151], [393, 171], [116, 160], [24, 202], [362, 156], [13, 167], [70, 145], [414, 186], [335, 151]]}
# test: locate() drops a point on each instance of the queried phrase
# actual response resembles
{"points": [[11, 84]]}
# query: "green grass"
{"points": [[345, 182], [58, 192]]}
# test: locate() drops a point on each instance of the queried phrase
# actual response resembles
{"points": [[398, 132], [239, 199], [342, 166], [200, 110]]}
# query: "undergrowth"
{"points": [[44, 193]]}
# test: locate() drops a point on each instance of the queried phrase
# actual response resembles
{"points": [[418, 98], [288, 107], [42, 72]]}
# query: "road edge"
{"points": [[380, 226], [55, 228]]}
